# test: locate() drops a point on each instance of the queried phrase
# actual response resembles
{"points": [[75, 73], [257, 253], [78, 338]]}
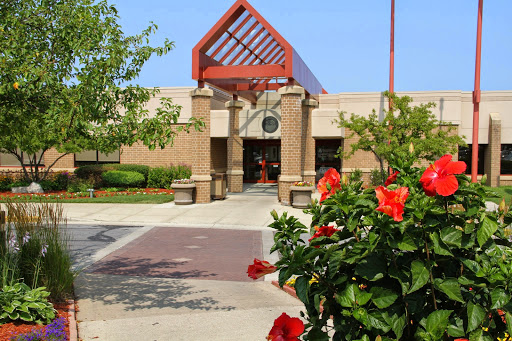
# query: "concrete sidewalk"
{"points": [[138, 285]]}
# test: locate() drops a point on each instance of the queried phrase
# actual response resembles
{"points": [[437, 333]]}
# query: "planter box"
{"points": [[301, 196], [183, 193]]}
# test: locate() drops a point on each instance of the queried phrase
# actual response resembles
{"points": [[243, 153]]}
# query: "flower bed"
{"points": [[63, 195], [8, 330]]}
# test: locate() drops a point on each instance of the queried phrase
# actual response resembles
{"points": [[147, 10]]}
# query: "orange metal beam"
{"points": [[244, 71]]}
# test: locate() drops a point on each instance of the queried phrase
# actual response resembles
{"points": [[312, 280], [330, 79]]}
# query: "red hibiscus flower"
{"points": [[286, 328], [331, 178], [260, 268], [391, 179], [323, 231], [461, 340], [439, 178], [392, 202]]}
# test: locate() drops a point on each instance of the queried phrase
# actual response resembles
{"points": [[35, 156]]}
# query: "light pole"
{"points": [[476, 95]]}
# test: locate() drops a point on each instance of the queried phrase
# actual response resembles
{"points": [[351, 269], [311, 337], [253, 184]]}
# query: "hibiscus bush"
{"points": [[419, 259]]}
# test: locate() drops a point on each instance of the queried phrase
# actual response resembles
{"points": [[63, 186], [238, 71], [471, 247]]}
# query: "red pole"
{"points": [[392, 53], [476, 95]]}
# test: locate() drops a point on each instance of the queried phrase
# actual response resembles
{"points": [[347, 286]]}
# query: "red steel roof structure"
{"points": [[244, 54]]}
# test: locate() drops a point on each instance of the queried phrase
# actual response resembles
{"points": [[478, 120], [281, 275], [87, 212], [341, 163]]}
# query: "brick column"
{"points": [[291, 140], [308, 142], [492, 163], [235, 173], [201, 106]]}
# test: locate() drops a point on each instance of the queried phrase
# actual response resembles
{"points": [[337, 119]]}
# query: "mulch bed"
{"points": [[63, 194], [9, 330]]}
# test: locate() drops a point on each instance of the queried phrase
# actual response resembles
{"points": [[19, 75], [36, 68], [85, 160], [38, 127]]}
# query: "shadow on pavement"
{"points": [[136, 293]]}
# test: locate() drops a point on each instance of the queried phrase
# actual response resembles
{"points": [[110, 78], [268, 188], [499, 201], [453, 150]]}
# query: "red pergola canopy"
{"points": [[244, 54]]}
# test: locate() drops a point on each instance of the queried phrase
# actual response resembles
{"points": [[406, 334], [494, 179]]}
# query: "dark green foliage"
{"points": [[80, 185], [162, 177], [122, 179], [94, 173], [444, 272], [142, 169], [356, 175]]}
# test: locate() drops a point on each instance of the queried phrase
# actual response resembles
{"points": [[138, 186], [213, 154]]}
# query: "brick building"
{"points": [[267, 115]]}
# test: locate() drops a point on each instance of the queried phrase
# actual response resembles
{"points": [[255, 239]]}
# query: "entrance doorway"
{"points": [[262, 161]]}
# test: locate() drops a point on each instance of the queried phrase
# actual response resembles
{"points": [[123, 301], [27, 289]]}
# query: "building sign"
{"points": [[270, 124]]}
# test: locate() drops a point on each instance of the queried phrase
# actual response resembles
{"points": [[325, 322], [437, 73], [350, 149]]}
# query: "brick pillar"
{"points": [[235, 173], [201, 106], [308, 142], [291, 140], [492, 161]]}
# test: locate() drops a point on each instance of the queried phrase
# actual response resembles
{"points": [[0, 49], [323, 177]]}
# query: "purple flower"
{"points": [[44, 249], [26, 238], [14, 244]]}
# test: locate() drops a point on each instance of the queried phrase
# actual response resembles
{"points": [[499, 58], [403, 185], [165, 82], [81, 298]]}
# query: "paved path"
{"points": [[167, 272]]}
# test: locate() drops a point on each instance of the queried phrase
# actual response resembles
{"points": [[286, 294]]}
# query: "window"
{"points": [[325, 152], [506, 159], [465, 155], [9, 160], [91, 157]]}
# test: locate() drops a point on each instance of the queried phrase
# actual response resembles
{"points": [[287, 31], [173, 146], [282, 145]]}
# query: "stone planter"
{"points": [[183, 193], [301, 196]]}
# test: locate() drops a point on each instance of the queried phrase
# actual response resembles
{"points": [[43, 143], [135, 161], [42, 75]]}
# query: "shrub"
{"points": [[91, 173], [122, 179], [376, 177], [80, 185], [419, 260], [5, 181], [160, 177], [356, 175], [142, 169], [182, 172]]}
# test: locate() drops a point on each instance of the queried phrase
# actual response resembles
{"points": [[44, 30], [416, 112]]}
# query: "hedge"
{"points": [[122, 179]]}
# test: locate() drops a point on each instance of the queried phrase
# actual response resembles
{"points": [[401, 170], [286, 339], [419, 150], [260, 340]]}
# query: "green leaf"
{"points": [[451, 236], [486, 230], [347, 298], [383, 297], [407, 243], [508, 318], [25, 316], [376, 320], [419, 275], [440, 248], [317, 334], [451, 288], [362, 297], [499, 298], [456, 329], [371, 268], [476, 315], [301, 288], [437, 322]]}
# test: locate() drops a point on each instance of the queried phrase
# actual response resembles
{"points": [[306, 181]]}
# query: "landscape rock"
{"points": [[34, 187]]}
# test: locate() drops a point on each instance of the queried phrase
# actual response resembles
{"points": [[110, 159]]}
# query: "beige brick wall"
{"points": [[67, 161], [307, 141]]}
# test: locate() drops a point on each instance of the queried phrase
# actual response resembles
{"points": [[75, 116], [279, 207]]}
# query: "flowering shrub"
{"points": [[183, 181], [420, 259], [55, 331], [303, 184]]}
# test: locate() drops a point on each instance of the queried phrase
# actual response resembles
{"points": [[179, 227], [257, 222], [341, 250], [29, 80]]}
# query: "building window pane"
{"points": [[9, 160], [506, 159], [91, 157], [465, 155]]}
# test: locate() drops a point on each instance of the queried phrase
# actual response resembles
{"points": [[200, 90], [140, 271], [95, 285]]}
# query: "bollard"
{"points": [[91, 192]]}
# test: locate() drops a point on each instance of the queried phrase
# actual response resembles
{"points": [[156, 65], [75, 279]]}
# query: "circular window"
{"points": [[270, 124]]}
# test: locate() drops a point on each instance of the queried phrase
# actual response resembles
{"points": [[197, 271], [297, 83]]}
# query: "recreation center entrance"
{"points": [[262, 161]]}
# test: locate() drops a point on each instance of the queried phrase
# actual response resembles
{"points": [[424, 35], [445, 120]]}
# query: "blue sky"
{"points": [[346, 43]]}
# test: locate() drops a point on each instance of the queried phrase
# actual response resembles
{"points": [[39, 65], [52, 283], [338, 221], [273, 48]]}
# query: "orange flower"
{"points": [[392, 203], [391, 178], [439, 178], [329, 183], [326, 231], [260, 268], [16, 86], [286, 328]]}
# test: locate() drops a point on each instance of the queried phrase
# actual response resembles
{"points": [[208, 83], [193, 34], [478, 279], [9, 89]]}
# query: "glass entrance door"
{"points": [[262, 161]]}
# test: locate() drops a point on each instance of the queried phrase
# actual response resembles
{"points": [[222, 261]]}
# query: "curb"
{"points": [[73, 328], [289, 290]]}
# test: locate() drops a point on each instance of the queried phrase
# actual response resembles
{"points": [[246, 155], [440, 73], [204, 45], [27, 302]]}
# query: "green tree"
{"points": [[391, 136], [62, 65]]}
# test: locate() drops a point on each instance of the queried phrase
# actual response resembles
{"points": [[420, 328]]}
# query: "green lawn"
{"points": [[502, 192], [117, 199]]}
